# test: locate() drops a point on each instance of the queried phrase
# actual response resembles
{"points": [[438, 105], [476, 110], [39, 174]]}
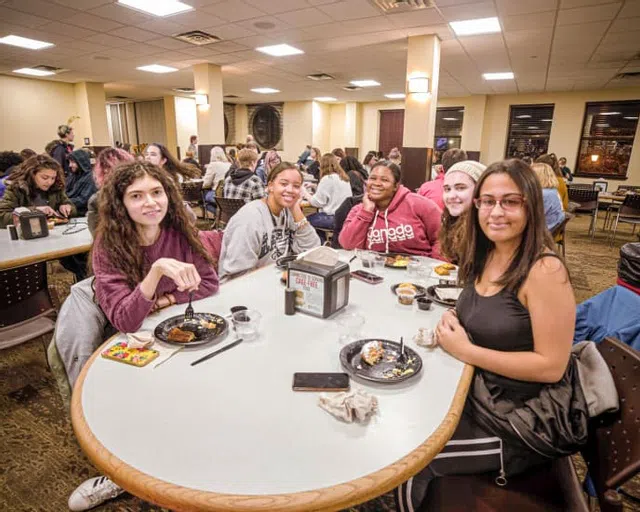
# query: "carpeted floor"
{"points": [[41, 463]]}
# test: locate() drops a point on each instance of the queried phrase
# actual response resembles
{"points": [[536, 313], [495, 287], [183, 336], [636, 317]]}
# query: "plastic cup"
{"points": [[406, 296], [246, 324]]}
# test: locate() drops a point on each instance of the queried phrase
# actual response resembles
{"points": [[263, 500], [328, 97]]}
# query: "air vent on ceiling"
{"points": [[320, 76], [197, 37], [51, 69], [231, 96], [185, 90], [120, 98], [351, 88], [628, 76], [394, 6]]}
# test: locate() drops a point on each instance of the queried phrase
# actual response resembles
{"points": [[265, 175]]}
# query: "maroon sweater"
{"points": [[126, 308]]}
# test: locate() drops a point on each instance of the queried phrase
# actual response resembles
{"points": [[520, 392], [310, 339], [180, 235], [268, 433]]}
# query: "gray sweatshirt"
{"points": [[254, 238]]}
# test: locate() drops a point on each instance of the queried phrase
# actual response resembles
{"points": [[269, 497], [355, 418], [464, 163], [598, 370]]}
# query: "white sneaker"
{"points": [[92, 493]]}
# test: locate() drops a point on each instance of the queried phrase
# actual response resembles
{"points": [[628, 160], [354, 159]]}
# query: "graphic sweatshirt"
{"points": [[409, 225]]}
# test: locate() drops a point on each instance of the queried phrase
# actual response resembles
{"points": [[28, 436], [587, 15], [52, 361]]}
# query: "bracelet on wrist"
{"points": [[301, 224]]}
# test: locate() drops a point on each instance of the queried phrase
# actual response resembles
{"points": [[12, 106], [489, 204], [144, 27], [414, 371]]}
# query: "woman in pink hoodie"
{"points": [[391, 218]]}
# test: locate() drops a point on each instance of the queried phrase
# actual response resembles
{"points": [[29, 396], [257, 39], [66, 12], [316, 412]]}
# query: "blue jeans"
{"points": [[323, 221], [209, 201]]}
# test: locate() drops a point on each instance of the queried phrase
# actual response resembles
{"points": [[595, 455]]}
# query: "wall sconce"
{"points": [[418, 85], [202, 99], [595, 158]]}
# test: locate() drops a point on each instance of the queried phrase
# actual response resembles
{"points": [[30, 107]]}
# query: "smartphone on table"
{"points": [[320, 381], [367, 277]]}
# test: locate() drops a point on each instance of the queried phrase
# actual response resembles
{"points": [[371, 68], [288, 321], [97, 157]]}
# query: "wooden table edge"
{"points": [[47, 256], [332, 498]]}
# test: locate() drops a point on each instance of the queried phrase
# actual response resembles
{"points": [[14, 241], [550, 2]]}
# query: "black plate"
{"points": [[392, 255], [381, 372], [283, 263], [420, 290], [203, 335], [431, 294]]}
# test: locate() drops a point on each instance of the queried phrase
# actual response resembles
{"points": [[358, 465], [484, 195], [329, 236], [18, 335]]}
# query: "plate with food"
{"points": [[58, 220], [204, 328], [379, 360], [444, 294], [420, 290], [400, 261]]}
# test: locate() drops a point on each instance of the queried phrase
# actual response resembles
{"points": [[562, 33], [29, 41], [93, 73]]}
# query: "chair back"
{"points": [[560, 228], [25, 294], [227, 208], [612, 452], [192, 191], [632, 188], [579, 186], [587, 198], [631, 205]]}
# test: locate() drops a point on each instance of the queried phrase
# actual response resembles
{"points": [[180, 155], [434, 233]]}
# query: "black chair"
{"points": [[192, 193], [579, 186], [559, 232], [629, 213], [588, 201], [227, 208]]}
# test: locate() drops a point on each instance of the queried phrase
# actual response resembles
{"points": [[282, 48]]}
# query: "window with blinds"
{"points": [[529, 130], [608, 132], [448, 131]]}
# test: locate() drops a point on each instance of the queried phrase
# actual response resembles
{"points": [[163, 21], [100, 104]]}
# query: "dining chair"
{"points": [[580, 186], [193, 194], [227, 208], [559, 232], [588, 200], [25, 305], [629, 213]]}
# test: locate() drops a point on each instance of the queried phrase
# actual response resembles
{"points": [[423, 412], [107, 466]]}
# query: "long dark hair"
{"points": [[536, 239], [23, 175], [116, 233], [452, 232], [174, 167]]}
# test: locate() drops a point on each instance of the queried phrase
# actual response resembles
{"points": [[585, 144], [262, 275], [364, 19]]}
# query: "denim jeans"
{"points": [[323, 221]]}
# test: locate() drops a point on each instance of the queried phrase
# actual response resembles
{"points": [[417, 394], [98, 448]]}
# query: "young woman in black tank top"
{"points": [[514, 322]]}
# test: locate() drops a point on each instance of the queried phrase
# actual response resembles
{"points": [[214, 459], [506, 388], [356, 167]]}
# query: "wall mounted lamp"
{"points": [[202, 99], [418, 85]]}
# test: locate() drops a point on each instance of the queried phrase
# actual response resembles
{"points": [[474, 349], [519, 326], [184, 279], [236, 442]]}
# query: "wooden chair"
{"points": [[588, 200], [193, 194], [612, 452], [25, 305], [559, 232], [227, 208], [579, 186], [629, 212]]}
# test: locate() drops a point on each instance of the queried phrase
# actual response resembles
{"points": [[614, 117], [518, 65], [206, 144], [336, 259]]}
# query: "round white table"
{"points": [[17, 253], [230, 434]]}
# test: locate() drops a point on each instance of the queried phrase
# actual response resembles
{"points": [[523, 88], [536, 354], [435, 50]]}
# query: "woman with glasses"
{"points": [[514, 322]]}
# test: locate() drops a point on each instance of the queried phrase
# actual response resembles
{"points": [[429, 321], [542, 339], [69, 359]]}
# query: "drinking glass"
{"points": [[414, 267], [246, 324], [366, 258], [350, 327], [378, 262]]}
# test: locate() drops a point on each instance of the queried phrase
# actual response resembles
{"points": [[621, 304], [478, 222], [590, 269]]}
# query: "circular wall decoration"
{"points": [[265, 126]]}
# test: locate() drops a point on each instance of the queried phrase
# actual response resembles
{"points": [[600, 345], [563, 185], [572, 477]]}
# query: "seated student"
{"points": [[553, 212], [564, 170], [391, 218], [333, 189], [242, 183], [215, 173], [357, 174], [9, 162], [39, 183], [159, 155], [369, 161], [433, 189], [552, 160], [266, 229], [80, 185], [518, 307], [340, 216], [458, 185], [313, 163], [268, 163]]}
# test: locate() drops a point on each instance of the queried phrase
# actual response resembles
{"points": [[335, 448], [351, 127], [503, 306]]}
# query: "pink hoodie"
{"points": [[409, 225], [433, 190]]}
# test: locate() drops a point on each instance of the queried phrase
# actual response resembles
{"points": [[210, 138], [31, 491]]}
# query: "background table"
{"points": [[16, 253], [230, 434]]}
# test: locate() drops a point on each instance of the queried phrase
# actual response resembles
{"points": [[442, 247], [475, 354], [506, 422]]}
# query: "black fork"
{"points": [[188, 313]]}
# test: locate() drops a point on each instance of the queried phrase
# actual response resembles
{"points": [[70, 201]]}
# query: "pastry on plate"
{"points": [[372, 352], [179, 336], [408, 286], [444, 269]]}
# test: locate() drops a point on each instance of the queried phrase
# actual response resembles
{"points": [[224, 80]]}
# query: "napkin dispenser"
{"points": [[30, 224], [320, 290]]}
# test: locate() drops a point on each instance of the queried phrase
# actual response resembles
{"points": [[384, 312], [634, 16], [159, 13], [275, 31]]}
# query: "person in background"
{"points": [[313, 161], [304, 156], [37, 183], [107, 160], [334, 187], [369, 161], [552, 161], [146, 255], [518, 307], [242, 183], [339, 154], [458, 186], [233, 156], [395, 157], [433, 189], [193, 147], [27, 153], [566, 172], [553, 212], [357, 174], [80, 185], [271, 160], [391, 218], [527, 160], [216, 170], [249, 140], [190, 160], [60, 149], [9, 162], [268, 228], [158, 154]]}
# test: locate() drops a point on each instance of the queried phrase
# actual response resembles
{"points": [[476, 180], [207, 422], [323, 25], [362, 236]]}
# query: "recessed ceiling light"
{"points": [[631, 118], [524, 116], [24, 42], [325, 98], [609, 113], [365, 83], [33, 72], [157, 68], [473, 27], [279, 50], [265, 90], [450, 119], [396, 96], [498, 76], [157, 7]]}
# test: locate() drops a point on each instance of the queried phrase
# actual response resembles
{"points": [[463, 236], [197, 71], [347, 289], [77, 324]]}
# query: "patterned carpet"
{"points": [[41, 462]]}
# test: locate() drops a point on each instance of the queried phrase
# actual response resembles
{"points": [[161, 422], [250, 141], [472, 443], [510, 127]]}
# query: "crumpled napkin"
{"points": [[140, 339], [354, 405], [426, 338], [448, 293]]}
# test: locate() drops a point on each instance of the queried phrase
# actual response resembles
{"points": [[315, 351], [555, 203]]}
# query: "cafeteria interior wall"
{"points": [[297, 130], [186, 121], [337, 135], [322, 125]]}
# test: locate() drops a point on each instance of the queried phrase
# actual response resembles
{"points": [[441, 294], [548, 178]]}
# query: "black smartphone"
{"points": [[320, 382], [367, 277]]}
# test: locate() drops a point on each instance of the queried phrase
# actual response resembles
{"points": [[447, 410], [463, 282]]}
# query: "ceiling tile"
{"points": [[234, 10], [469, 11], [363, 26], [230, 31], [201, 51], [92, 22], [81, 5], [570, 4], [511, 7], [72, 31], [169, 43], [197, 20], [88, 47], [22, 18], [228, 47], [588, 14], [41, 8], [122, 14], [416, 18], [631, 8], [274, 24], [304, 17], [279, 6], [165, 27], [624, 24], [529, 21], [144, 49], [350, 10], [325, 31], [108, 40], [134, 33], [529, 42]]}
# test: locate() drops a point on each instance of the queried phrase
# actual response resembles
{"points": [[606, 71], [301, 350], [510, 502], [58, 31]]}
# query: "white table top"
{"points": [[233, 425], [16, 253]]}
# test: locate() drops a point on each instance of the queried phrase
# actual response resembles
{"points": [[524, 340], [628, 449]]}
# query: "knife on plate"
{"points": [[216, 352]]}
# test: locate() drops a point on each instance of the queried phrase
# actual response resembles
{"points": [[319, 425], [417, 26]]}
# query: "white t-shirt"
{"points": [[215, 172], [331, 193]]}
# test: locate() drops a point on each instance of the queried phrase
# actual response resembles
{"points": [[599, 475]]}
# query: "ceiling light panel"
{"points": [[157, 7], [325, 98], [279, 50], [33, 72], [365, 83], [157, 68], [498, 76], [395, 96], [25, 42], [265, 90], [475, 27]]}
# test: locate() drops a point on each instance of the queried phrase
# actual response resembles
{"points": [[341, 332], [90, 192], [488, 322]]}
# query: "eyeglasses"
{"points": [[508, 203]]}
